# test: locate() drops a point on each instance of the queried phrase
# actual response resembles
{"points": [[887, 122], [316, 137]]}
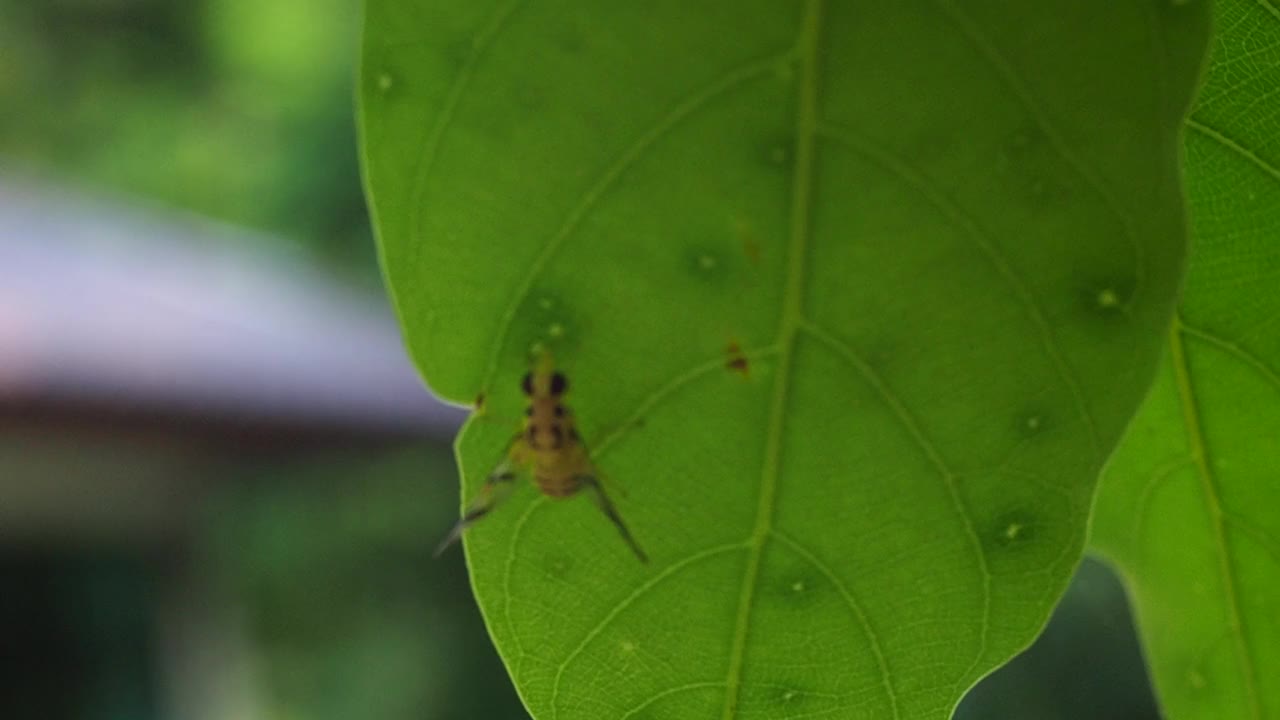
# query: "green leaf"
{"points": [[1189, 508], [947, 237]]}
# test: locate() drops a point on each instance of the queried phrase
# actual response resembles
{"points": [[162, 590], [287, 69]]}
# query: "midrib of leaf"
{"points": [[1199, 454], [789, 324]]}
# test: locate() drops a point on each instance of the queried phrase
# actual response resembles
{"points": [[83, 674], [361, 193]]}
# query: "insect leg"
{"points": [[591, 483], [496, 489], [614, 488]]}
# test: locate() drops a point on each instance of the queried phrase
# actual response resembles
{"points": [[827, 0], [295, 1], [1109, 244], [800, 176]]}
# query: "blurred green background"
{"points": [[285, 572], [235, 109]]}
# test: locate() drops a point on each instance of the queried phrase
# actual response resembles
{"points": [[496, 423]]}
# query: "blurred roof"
{"points": [[157, 314]]}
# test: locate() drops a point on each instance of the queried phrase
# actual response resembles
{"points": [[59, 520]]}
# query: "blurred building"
{"points": [[156, 371]]}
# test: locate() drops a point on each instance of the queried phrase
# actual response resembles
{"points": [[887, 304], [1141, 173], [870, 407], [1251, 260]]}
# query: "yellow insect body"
{"points": [[549, 447]]}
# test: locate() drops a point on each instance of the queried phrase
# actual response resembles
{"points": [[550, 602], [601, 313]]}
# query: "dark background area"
{"points": [[220, 482]]}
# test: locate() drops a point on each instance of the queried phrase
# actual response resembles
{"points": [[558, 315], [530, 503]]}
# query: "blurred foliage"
{"points": [[330, 559], [230, 108], [79, 623]]}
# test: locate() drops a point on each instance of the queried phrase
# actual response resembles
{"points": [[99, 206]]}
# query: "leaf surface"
{"points": [[1189, 508], [854, 299]]}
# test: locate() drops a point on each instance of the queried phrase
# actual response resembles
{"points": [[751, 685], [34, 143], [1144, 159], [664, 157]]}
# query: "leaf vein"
{"points": [[661, 394], [480, 44], [1199, 451], [679, 112], [510, 565], [669, 692], [626, 602], [1009, 76], [1235, 147], [908, 422], [1158, 477], [1269, 375], [1260, 534], [1007, 73], [921, 184], [858, 613]]}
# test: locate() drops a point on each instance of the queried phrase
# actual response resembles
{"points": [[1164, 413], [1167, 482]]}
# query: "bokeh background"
{"points": [[220, 479]]}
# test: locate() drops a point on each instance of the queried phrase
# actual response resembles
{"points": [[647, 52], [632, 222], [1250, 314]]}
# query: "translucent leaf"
{"points": [[854, 299], [1189, 509]]}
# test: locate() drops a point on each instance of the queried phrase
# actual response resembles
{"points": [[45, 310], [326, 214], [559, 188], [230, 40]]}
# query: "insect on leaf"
{"points": [[854, 298]]}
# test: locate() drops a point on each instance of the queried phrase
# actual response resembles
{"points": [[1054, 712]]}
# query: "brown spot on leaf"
{"points": [[736, 360]]}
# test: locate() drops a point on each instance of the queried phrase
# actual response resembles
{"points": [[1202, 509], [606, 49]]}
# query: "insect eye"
{"points": [[527, 384], [558, 384]]}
